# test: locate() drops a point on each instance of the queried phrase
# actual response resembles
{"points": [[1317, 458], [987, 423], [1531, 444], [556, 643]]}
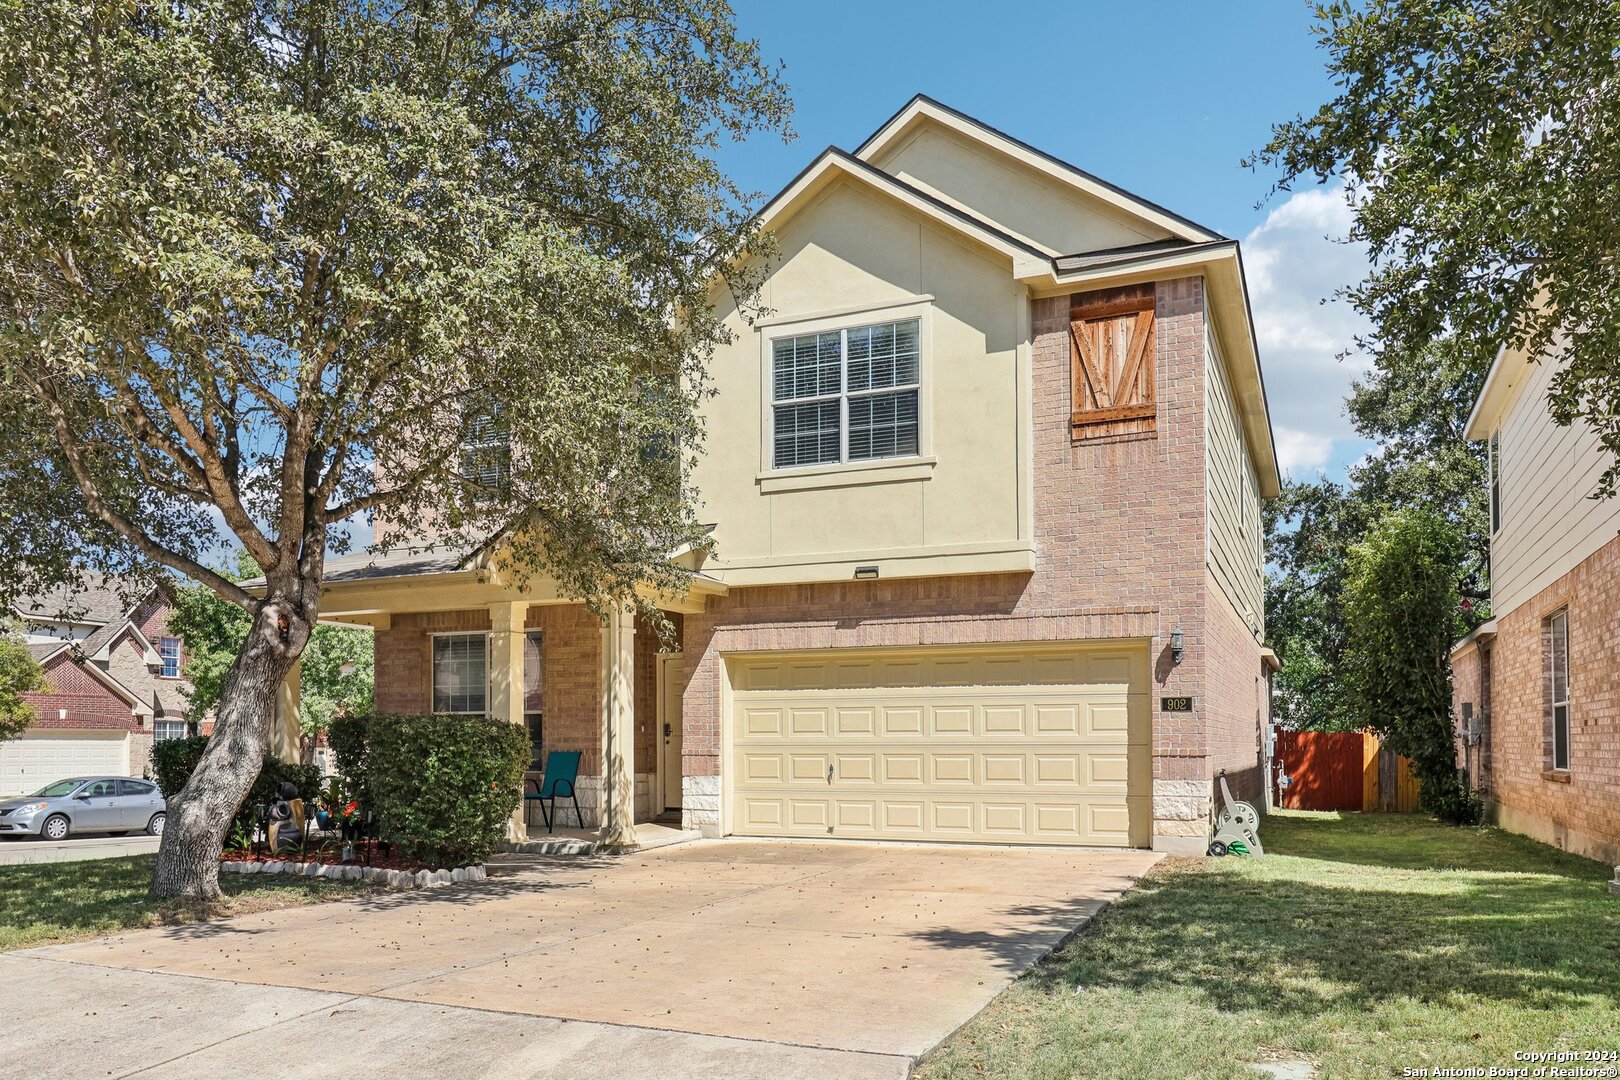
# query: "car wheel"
{"points": [[155, 826], [55, 828]]}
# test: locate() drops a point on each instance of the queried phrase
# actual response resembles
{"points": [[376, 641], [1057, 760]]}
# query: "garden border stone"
{"points": [[394, 879]]}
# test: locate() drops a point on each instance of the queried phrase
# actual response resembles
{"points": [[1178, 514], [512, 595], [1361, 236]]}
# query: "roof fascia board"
{"points": [[1501, 387], [922, 107]]}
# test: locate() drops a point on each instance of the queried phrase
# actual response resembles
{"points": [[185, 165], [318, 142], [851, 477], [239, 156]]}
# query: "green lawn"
{"points": [[50, 902], [1362, 944]]}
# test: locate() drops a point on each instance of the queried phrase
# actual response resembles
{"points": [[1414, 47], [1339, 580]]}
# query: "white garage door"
{"points": [[37, 758], [1033, 744]]}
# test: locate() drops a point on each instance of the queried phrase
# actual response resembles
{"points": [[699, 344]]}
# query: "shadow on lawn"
{"points": [[1487, 915]]}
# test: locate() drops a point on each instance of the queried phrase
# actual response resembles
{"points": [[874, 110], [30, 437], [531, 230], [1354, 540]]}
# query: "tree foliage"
{"points": [[1401, 615], [20, 674], [1414, 407], [273, 265], [214, 630], [1480, 140]]}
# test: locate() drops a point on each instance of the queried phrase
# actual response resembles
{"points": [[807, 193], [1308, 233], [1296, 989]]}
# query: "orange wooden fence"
{"points": [[1343, 770]]}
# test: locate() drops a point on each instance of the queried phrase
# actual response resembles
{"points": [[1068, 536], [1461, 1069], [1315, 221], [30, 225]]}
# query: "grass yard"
{"points": [[44, 903], [1362, 944]]}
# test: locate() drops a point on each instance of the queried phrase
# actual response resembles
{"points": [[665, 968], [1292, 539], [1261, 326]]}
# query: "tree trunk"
{"points": [[200, 815]]}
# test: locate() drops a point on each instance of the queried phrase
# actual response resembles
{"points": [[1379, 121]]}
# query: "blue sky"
{"points": [[1165, 101]]}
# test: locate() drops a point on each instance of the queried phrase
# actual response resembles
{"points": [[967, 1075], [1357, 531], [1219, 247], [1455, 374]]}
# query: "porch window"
{"points": [[846, 395], [1555, 657], [461, 673], [534, 700]]}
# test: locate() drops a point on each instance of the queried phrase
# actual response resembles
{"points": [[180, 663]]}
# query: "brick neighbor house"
{"points": [[986, 552], [1536, 689], [115, 685]]}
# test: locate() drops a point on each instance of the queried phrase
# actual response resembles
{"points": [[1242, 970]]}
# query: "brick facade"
{"points": [[571, 659], [1120, 532], [1578, 810], [88, 702]]}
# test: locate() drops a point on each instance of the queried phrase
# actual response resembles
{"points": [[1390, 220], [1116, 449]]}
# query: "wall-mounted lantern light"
{"points": [[1177, 646], [866, 572]]}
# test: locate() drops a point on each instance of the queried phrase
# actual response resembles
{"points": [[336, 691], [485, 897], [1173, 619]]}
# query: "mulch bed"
{"points": [[322, 850]]}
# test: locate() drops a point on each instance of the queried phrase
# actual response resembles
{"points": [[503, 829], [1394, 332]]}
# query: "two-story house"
{"points": [[1536, 689], [986, 557], [115, 684]]}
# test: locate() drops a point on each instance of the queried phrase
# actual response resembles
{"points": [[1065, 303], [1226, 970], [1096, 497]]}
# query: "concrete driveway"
{"points": [[717, 958], [16, 851]]}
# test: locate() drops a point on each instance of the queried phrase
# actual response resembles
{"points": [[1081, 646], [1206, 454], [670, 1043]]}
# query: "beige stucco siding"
{"points": [[1549, 524], [855, 258], [1233, 503], [1017, 199]]}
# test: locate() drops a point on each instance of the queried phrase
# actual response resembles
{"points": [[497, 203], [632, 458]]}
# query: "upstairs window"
{"points": [[169, 651], [1495, 467], [1111, 336], [846, 395], [486, 454]]}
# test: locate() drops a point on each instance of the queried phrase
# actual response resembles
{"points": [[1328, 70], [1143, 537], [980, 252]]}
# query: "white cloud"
{"points": [[1296, 260], [1300, 452]]}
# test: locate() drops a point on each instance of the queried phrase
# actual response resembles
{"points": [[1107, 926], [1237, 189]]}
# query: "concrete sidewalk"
{"points": [[22, 851], [117, 1023]]}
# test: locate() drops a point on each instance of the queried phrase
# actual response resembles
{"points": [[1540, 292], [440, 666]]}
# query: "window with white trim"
{"points": [[461, 673], [846, 395], [169, 651], [1555, 639], [164, 730]]}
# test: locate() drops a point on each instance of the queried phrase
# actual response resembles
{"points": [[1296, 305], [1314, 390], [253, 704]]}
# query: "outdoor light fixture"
{"points": [[866, 572], [1177, 646]]}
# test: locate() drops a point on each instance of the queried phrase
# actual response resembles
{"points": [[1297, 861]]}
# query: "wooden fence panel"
{"points": [[1325, 768], [1344, 770]]}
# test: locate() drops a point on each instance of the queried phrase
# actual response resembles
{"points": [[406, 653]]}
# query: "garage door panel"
{"points": [[1024, 744], [34, 759]]}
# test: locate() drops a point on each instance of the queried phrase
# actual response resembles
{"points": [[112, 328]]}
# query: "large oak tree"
{"points": [[268, 268], [1480, 140]]}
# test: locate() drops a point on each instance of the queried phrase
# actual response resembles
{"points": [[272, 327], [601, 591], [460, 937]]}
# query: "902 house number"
{"points": [[1176, 704]]}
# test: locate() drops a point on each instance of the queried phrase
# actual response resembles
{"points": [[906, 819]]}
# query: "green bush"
{"points": [[444, 786], [347, 738], [174, 759]]}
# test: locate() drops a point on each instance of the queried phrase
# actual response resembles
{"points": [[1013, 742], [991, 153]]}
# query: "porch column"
{"points": [[285, 726], [506, 621], [618, 797]]}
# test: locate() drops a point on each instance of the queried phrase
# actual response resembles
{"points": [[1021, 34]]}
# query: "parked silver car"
{"points": [[115, 804]]}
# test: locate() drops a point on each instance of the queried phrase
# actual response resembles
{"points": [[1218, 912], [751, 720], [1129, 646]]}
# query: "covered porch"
{"points": [[453, 636]]}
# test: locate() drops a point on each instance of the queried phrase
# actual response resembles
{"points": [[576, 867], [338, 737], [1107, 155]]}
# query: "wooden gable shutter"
{"points": [[1112, 366]]}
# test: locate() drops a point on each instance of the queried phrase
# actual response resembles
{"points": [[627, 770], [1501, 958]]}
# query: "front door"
{"points": [[671, 672]]}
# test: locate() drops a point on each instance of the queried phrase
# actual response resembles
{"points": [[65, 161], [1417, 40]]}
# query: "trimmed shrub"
{"points": [[347, 738], [444, 786], [174, 759]]}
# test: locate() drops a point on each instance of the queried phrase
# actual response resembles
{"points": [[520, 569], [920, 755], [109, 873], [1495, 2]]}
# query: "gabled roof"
{"points": [[1113, 258], [100, 601], [923, 108], [833, 163]]}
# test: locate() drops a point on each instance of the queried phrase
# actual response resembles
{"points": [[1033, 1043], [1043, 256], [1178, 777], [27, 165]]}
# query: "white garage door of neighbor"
{"points": [[36, 759], [1032, 744]]}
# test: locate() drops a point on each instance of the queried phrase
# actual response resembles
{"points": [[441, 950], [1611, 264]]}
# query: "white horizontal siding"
{"points": [[1549, 522], [1233, 498]]}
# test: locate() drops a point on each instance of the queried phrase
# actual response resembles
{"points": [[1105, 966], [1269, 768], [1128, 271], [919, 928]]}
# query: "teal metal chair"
{"points": [[562, 769]]}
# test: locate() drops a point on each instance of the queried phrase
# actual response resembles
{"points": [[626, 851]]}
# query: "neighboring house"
{"points": [[114, 673], [1536, 688], [986, 553]]}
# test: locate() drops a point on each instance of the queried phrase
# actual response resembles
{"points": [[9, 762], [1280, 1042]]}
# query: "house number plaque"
{"points": [[1175, 704]]}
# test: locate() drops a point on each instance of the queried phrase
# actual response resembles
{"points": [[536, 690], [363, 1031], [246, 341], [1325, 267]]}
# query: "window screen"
{"points": [[460, 673], [846, 395]]}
